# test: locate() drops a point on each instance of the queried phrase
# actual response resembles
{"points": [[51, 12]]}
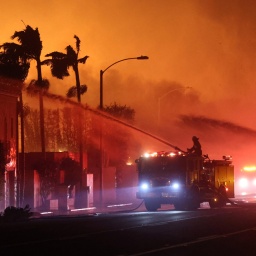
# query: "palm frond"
{"points": [[58, 64], [77, 44], [35, 86], [30, 41], [72, 92], [59, 68], [19, 35], [6, 46], [15, 51], [83, 60], [56, 55], [46, 62], [71, 55], [83, 89]]}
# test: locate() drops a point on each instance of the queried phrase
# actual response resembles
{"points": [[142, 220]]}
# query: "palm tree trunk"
{"points": [[81, 151], [21, 161], [77, 83], [41, 109], [41, 105]]}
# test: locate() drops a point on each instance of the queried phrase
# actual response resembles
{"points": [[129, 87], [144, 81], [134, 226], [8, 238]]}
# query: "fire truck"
{"points": [[184, 180]]}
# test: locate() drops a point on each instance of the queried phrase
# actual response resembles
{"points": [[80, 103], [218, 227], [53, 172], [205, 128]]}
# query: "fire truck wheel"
{"points": [[219, 199], [152, 205]]}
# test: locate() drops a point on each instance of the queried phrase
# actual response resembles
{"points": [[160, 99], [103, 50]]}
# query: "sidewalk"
{"points": [[132, 206], [127, 207]]}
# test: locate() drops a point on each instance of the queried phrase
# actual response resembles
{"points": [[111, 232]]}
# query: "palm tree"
{"points": [[60, 64], [31, 45]]}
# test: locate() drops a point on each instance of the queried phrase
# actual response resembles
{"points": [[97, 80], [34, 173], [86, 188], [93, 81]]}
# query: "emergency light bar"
{"points": [[160, 153]]}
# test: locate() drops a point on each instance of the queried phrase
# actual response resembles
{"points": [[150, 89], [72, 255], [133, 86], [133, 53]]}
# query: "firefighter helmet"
{"points": [[195, 138]]}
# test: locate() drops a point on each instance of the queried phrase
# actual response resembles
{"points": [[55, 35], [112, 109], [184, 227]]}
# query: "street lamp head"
{"points": [[142, 57]]}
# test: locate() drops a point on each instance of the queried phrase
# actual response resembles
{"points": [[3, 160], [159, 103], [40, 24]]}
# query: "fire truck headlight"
{"points": [[243, 183], [176, 185], [144, 186]]}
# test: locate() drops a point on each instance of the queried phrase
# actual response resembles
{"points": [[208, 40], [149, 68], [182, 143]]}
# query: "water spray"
{"points": [[107, 116]]}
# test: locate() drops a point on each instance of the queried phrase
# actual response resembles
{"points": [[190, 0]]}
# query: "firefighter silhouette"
{"points": [[196, 149]]}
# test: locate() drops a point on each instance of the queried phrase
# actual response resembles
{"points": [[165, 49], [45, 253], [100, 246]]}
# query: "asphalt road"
{"points": [[227, 231]]}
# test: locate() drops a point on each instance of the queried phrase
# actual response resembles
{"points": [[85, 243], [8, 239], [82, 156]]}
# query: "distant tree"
{"points": [[122, 112], [60, 64]]}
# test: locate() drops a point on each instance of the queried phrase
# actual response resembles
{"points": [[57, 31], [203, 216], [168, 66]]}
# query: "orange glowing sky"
{"points": [[207, 45]]}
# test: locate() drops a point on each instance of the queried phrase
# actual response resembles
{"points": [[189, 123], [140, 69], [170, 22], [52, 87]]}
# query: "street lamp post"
{"points": [[103, 71], [163, 96], [101, 107]]}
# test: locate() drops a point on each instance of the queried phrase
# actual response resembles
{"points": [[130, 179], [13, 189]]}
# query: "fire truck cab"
{"points": [[183, 180]]}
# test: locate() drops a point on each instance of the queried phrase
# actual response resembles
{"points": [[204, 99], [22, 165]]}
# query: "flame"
{"points": [[249, 168]]}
